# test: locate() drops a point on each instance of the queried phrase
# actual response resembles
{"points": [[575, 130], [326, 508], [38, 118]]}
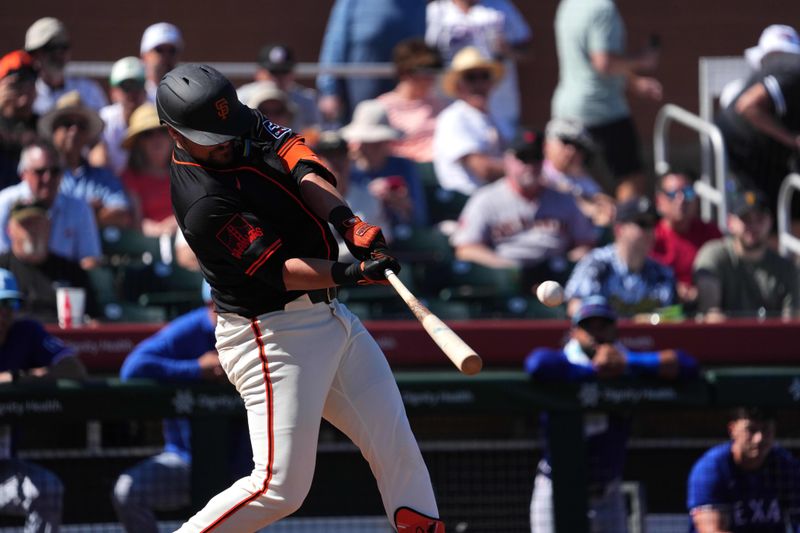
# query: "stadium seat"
{"points": [[133, 312], [415, 244], [470, 280], [444, 204], [122, 246], [174, 288]]}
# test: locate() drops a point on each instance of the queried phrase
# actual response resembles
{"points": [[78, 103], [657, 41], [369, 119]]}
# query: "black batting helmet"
{"points": [[202, 105]]}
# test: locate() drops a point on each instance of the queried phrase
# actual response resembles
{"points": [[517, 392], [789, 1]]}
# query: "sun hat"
{"points": [[370, 124], [70, 104], [144, 118], [469, 58]]}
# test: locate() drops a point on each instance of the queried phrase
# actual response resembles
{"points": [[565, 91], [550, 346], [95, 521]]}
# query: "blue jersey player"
{"points": [[593, 352], [746, 485]]}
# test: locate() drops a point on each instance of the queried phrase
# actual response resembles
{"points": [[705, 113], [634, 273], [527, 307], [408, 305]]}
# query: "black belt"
{"points": [[322, 295]]}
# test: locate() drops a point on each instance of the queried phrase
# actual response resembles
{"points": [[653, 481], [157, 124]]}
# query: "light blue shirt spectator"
{"points": [[73, 229], [96, 186], [602, 272]]}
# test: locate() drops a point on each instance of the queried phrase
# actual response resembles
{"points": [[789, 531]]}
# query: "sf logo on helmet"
{"points": [[222, 108]]}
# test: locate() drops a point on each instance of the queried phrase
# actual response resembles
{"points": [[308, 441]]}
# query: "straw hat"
{"points": [[71, 104], [144, 118], [370, 124], [469, 58]]}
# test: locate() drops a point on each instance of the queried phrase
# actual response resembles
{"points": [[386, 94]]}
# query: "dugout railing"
{"points": [[447, 410]]}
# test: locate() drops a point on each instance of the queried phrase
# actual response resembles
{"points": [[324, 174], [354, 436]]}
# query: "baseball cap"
{"points": [[570, 130], [276, 57], [201, 104], [17, 62], [127, 68], [774, 38], [749, 200], [160, 33], [527, 146], [46, 30], [594, 307], [637, 210]]}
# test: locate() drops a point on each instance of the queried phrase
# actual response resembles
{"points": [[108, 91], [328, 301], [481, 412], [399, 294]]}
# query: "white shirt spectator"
{"points": [[73, 229], [462, 130]]}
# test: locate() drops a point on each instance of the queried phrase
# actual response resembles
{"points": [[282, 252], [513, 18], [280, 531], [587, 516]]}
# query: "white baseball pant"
{"points": [[292, 368]]}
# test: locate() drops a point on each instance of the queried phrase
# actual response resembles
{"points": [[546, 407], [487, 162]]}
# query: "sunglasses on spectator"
{"points": [[53, 170], [166, 49], [56, 47], [79, 123], [688, 193], [473, 76], [9, 304]]}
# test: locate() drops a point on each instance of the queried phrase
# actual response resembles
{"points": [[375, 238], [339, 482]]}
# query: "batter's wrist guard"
{"points": [[363, 240], [369, 272]]}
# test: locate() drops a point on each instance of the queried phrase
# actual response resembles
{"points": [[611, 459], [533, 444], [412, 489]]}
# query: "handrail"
{"points": [[709, 193], [787, 242], [102, 69]]}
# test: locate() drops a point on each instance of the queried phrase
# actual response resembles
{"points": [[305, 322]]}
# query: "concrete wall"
{"points": [[234, 31]]}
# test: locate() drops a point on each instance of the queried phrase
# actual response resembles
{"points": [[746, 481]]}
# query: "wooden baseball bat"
{"points": [[458, 351]]}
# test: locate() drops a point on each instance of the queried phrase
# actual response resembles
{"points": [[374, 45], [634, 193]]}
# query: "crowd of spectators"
{"points": [[443, 130], [75, 161]]}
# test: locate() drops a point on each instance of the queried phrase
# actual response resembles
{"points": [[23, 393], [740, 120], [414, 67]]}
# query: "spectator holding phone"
{"points": [[393, 180]]}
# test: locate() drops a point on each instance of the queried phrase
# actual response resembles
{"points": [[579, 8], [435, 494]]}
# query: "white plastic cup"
{"points": [[71, 304]]}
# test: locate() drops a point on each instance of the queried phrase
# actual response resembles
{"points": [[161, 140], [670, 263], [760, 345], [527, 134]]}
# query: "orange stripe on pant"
{"points": [[271, 443]]}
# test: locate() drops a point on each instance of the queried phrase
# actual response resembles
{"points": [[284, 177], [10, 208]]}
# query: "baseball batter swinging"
{"points": [[254, 203]]}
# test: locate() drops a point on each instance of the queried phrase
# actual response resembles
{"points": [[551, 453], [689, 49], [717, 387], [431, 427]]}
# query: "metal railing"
{"points": [[244, 70], [708, 191], [787, 242]]}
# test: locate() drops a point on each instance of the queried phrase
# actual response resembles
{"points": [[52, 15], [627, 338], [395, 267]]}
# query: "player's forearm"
{"points": [[321, 196]]}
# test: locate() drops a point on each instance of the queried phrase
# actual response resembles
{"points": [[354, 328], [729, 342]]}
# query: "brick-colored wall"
{"points": [[234, 30]]}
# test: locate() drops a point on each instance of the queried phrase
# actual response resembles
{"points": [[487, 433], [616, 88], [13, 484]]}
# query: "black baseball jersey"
{"points": [[245, 221]]}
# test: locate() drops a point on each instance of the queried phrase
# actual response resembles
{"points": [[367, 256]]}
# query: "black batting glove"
{"points": [[369, 272]]}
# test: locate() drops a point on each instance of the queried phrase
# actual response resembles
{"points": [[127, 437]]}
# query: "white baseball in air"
{"points": [[550, 293]]}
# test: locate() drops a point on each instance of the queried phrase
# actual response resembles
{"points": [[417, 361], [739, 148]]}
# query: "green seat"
{"points": [[415, 244], [168, 286], [470, 280], [452, 310], [444, 204], [122, 246], [102, 283]]}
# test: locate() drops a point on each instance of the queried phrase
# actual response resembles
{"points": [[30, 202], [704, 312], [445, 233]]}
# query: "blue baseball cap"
{"points": [[592, 307], [9, 290]]}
